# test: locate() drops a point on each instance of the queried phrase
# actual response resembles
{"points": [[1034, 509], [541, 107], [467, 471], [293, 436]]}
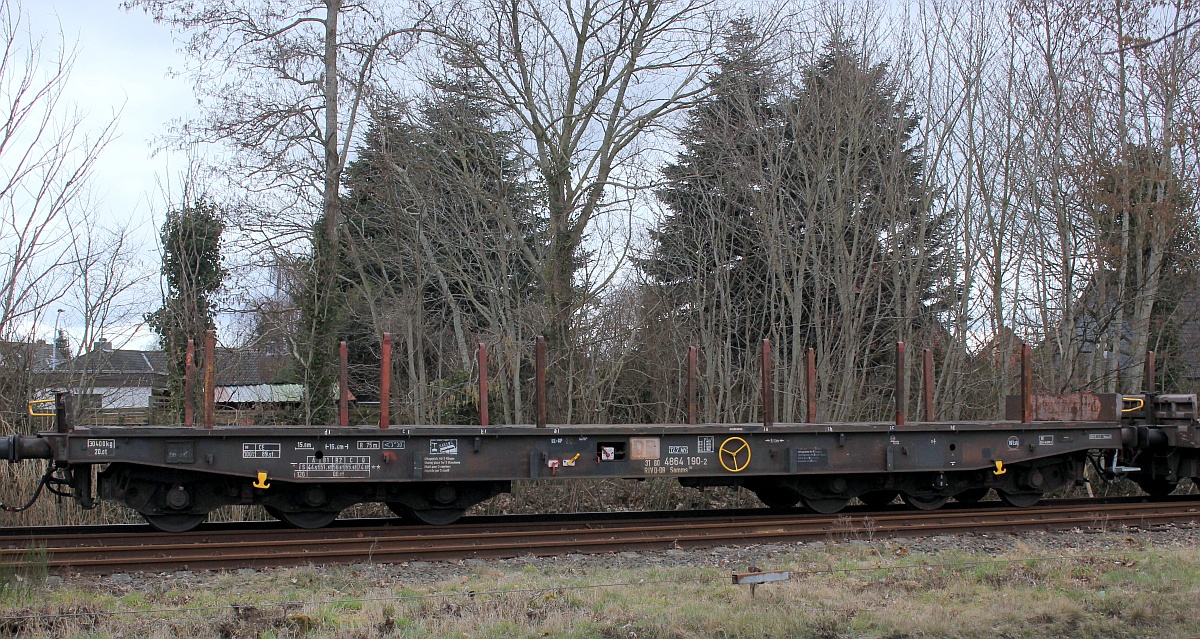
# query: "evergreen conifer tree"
{"points": [[707, 243], [801, 212], [441, 223]]}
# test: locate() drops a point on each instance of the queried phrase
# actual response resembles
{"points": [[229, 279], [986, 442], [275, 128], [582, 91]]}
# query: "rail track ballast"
{"points": [[175, 475]]}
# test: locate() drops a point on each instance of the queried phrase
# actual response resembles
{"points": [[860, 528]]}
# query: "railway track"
{"points": [[134, 548]]}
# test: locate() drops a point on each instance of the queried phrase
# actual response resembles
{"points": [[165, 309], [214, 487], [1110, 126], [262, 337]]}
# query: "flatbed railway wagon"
{"points": [[175, 475]]}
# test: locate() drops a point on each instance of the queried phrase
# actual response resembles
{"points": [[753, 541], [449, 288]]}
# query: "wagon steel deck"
{"points": [[176, 475]]}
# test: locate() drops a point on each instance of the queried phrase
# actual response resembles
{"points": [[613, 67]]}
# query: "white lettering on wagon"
{"points": [[101, 447], [333, 467], [440, 464], [443, 447], [260, 450]]}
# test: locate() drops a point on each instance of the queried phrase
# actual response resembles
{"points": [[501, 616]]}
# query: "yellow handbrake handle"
{"points": [[41, 402]]}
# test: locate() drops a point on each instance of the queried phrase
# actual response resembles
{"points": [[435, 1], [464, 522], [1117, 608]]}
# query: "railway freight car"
{"points": [[175, 475]]}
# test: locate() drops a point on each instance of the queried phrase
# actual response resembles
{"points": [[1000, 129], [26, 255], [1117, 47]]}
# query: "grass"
{"points": [[852, 590]]}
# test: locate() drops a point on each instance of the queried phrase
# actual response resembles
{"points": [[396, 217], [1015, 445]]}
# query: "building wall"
{"points": [[122, 397]]}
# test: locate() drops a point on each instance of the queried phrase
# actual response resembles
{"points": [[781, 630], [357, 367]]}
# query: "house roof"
{"points": [[120, 362], [234, 367], [40, 355], [245, 367]]}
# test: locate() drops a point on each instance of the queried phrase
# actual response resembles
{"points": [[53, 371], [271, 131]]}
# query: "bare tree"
{"points": [[284, 83], [47, 154], [106, 278], [46, 159], [584, 80]]}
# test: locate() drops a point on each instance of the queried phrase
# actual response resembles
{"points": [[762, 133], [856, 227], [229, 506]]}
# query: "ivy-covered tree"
{"points": [[193, 273]]}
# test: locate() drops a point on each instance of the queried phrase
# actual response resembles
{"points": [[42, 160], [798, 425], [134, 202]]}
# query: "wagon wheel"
{"points": [[431, 516], [878, 498], [777, 496], [826, 506], [1019, 500], [174, 523], [925, 502], [303, 519], [401, 510], [1157, 487], [971, 495], [438, 516]]}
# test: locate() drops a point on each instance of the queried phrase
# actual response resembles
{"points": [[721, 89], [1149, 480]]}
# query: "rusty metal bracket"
{"points": [[756, 577]]}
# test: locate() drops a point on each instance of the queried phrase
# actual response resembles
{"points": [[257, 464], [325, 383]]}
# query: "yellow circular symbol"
{"points": [[731, 454]]}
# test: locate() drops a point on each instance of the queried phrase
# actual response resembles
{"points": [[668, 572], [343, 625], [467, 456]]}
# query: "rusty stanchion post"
{"points": [[1151, 364], [540, 368], [64, 412], [901, 386], [483, 385], [768, 402], [385, 381], [927, 383], [691, 385], [343, 385], [189, 383], [810, 386], [210, 378], [1026, 386]]}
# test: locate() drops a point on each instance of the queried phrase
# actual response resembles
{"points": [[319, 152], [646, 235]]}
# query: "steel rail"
{"points": [[491, 522], [273, 547]]}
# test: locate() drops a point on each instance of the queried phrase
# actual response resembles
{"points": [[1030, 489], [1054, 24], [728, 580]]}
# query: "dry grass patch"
{"points": [[837, 591]]}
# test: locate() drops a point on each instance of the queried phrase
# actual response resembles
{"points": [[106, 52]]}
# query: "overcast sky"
{"points": [[123, 65]]}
